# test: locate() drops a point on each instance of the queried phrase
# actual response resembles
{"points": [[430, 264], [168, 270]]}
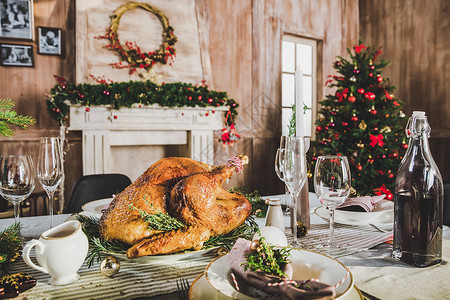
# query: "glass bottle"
{"points": [[418, 200]]}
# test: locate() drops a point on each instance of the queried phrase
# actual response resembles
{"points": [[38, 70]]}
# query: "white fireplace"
{"points": [[129, 140]]}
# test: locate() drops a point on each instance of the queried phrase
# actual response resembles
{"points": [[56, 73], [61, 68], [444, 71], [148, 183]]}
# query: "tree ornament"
{"points": [[371, 67], [405, 146], [318, 128], [362, 125], [344, 124], [361, 91], [355, 71], [379, 78], [359, 167], [369, 96], [373, 111], [88, 109], [401, 114], [352, 98], [386, 129], [370, 74], [354, 118], [337, 63], [255, 245], [360, 145], [110, 266], [115, 117], [352, 79], [376, 140]]}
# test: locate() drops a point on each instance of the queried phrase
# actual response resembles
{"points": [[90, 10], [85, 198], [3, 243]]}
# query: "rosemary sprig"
{"points": [[159, 220], [268, 259], [245, 231]]}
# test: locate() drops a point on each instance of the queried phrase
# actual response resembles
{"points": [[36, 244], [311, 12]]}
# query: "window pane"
{"points": [[307, 91], [304, 58], [286, 115], [287, 89], [288, 57]]}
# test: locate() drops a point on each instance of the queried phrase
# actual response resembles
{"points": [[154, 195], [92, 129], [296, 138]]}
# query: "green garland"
{"points": [[125, 94], [10, 246]]}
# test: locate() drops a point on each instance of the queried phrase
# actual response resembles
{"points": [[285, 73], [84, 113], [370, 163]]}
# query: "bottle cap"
{"points": [[273, 201], [418, 114]]}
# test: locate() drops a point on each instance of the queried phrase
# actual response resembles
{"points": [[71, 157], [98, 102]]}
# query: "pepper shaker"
{"points": [[274, 214]]}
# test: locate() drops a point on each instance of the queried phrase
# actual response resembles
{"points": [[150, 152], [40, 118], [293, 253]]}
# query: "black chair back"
{"points": [[93, 187]]}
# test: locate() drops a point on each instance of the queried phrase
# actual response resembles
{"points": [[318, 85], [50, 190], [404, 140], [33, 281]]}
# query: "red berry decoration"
{"points": [[88, 109], [373, 111], [404, 146], [344, 124], [352, 99], [379, 79], [318, 128], [115, 117], [369, 96], [354, 118], [361, 91], [370, 74], [359, 167]]}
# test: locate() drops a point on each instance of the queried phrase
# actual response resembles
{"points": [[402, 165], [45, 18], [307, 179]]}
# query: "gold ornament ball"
{"points": [[362, 125], [110, 266], [254, 245]]}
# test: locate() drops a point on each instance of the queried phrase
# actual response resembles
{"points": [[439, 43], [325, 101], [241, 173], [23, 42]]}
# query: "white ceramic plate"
{"points": [[96, 206], [202, 290], [306, 265], [383, 216], [167, 258]]}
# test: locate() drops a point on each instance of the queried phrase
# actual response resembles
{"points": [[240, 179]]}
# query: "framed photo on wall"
{"points": [[16, 55], [50, 41], [16, 19]]}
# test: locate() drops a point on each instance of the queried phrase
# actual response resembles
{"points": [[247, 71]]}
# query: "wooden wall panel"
{"points": [[28, 87], [415, 38], [245, 47]]}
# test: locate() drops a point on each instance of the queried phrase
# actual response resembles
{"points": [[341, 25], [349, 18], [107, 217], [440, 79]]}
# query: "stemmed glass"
{"points": [[279, 161], [294, 166], [332, 183], [17, 179], [49, 168]]}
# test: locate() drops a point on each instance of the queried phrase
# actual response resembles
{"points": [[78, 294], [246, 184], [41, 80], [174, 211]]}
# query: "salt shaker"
{"points": [[274, 214]]}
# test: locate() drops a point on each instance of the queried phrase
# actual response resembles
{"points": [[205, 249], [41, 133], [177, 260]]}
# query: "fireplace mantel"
{"points": [[104, 127]]}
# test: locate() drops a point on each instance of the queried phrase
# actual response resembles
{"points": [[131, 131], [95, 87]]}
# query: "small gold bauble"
{"points": [[110, 266], [254, 245], [386, 129], [362, 125]]}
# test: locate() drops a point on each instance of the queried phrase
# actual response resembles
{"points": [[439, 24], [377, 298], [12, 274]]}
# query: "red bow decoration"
{"points": [[377, 52], [387, 95], [374, 140], [358, 48], [383, 190], [342, 95]]}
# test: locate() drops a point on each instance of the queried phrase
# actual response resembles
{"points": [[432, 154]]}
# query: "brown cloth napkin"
{"points": [[362, 204], [303, 289]]}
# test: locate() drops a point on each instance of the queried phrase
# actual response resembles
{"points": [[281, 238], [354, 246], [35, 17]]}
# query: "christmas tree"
{"points": [[363, 121]]}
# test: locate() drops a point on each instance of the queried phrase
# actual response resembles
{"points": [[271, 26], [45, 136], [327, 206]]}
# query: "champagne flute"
{"points": [[17, 179], [294, 166], [332, 183], [50, 168]]}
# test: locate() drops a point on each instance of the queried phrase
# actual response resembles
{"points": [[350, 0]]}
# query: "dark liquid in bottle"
{"points": [[418, 232]]}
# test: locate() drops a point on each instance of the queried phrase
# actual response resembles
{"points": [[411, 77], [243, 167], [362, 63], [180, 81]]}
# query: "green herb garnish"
{"points": [[268, 259], [159, 220]]}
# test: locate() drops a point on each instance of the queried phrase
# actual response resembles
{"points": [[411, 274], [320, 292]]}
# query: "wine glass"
{"points": [[50, 168], [17, 179], [294, 166], [332, 183]]}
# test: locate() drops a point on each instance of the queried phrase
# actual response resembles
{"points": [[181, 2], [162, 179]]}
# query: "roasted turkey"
{"points": [[187, 190]]}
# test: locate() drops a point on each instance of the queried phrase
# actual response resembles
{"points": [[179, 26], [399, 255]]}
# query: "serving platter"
{"points": [[306, 265], [97, 206]]}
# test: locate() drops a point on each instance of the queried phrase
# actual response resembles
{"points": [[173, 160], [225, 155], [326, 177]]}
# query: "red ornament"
{"points": [[376, 140], [373, 111], [390, 196], [371, 67], [199, 97], [354, 118], [207, 114], [140, 105], [405, 146], [115, 117], [361, 91], [190, 98], [369, 96], [351, 99], [210, 100], [344, 124], [318, 128], [88, 109], [370, 74], [359, 167], [379, 79]]}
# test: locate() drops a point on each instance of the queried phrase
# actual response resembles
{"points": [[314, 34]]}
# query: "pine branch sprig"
{"points": [[9, 117], [10, 245]]}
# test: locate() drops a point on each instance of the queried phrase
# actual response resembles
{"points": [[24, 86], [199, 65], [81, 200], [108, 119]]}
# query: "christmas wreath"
{"points": [[126, 94], [130, 54]]}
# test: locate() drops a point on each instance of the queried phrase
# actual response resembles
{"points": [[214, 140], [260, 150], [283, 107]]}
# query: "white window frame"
{"points": [[313, 75]]}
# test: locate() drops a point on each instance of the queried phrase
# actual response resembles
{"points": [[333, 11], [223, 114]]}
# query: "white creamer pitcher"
{"points": [[60, 252]]}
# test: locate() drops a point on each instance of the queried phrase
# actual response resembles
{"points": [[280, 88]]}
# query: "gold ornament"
{"points": [[254, 245], [117, 96], [362, 125], [360, 145], [110, 266], [386, 129]]}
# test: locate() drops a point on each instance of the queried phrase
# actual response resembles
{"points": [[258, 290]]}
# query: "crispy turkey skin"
{"points": [[187, 190]]}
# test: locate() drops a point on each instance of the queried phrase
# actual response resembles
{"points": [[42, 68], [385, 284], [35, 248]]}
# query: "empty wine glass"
{"points": [[50, 168], [332, 183], [17, 179], [294, 166]]}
